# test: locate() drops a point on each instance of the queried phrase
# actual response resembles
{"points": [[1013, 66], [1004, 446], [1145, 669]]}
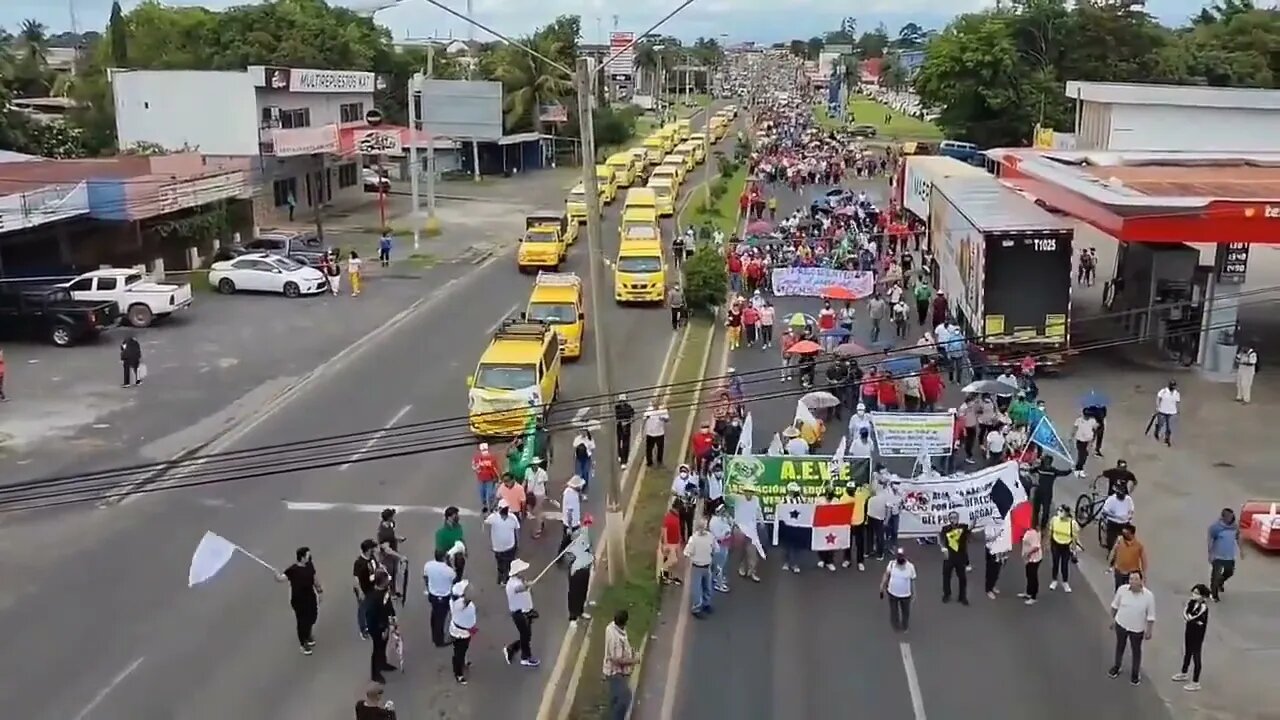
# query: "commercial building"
{"points": [[306, 132]]}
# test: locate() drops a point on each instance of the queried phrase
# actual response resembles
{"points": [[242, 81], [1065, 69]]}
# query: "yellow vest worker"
{"points": [[1063, 530], [1064, 533]]}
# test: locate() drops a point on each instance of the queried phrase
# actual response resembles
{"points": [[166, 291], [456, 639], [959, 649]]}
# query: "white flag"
{"points": [[746, 443], [837, 457], [212, 554], [775, 445], [805, 415]]}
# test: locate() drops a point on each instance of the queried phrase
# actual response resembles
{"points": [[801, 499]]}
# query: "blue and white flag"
{"points": [[1046, 436]]}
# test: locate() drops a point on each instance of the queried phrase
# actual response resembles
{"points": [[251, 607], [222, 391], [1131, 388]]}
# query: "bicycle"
{"points": [[1089, 507]]}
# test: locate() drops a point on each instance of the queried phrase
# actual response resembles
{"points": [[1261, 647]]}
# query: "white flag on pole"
{"points": [[746, 443], [805, 415], [212, 554], [775, 445], [837, 458]]}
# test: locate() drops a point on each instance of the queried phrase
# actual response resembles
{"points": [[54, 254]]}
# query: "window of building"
{"points": [[348, 175], [283, 190], [296, 118], [351, 112]]}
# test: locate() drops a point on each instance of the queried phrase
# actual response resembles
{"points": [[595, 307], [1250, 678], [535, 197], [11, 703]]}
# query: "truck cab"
{"points": [[557, 301], [575, 205], [543, 244], [141, 300], [664, 192], [684, 128], [624, 169], [655, 149], [49, 312], [640, 273], [639, 223], [516, 379]]}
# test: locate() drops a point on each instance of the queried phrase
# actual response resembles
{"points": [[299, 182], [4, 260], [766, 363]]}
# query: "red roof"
{"points": [[871, 67], [1229, 182]]}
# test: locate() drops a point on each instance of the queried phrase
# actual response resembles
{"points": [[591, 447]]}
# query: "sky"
{"points": [[764, 21]]}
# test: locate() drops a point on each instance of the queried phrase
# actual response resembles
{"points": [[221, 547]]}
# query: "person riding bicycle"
{"points": [[1119, 477]]}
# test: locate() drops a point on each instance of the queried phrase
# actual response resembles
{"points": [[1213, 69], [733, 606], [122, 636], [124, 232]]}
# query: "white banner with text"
{"points": [[813, 281], [912, 434]]}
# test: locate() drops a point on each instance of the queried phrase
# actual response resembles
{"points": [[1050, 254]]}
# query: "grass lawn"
{"points": [[639, 593], [901, 127], [723, 213]]}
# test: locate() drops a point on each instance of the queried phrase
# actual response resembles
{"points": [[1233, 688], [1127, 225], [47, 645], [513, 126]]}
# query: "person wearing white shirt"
{"points": [[1117, 511], [747, 517], [1085, 429], [1133, 617], [877, 511], [520, 604], [860, 446], [570, 510], [439, 578], [535, 485], [1246, 366], [1167, 401], [700, 549], [995, 444], [655, 434], [504, 528], [722, 531], [1009, 379], [859, 420], [462, 626], [581, 559], [795, 444], [584, 449], [899, 585]]}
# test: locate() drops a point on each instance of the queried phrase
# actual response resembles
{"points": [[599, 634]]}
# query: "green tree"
{"points": [[799, 48], [529, 82], [119, 34], [872, 44], [813, 48], [705, 279], [910, 37]]}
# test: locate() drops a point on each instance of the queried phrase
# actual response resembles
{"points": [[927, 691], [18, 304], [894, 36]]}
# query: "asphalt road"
{"points": [[819, 644], [95, 606]]}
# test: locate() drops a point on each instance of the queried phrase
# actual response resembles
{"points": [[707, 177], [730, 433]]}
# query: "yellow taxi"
{"points": [[624, 169], [639, 275], [685, 127], [686, 152], [698, 141], [665, 194], [640, 163], [680, 164], [575, 206], [517, 378], [667, 173], [655, 149], [557, 301], [605, 184], [544, 244]]}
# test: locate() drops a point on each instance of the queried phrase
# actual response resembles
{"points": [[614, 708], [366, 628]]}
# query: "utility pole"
{"points": [[613, 498], [471, 64], [431, 147]]}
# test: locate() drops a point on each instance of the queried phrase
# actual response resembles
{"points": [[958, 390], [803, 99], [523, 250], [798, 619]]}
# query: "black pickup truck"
{"points": [[50, 313]]}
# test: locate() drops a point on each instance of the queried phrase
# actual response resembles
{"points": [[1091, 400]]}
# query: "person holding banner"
{"points": [[954, 540], [794, 540], [747, 517]]}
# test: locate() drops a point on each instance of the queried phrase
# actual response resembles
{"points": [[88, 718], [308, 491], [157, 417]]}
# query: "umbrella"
{"points": [[851, 350], [836, 292], [902, 365], [989, 387], [820, 399], [1093, 398], [759, 227], [800, 320], [804, 347]]}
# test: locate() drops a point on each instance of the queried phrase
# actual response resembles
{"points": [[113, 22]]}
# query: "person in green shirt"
{"points": [[449, 538], [923, 294], [1020, 410]]}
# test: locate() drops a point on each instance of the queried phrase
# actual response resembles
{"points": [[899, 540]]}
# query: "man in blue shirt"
{"points": [[1224, 550]]}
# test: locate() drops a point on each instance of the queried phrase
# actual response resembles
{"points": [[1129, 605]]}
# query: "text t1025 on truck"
{"points": [[1005, 267]]}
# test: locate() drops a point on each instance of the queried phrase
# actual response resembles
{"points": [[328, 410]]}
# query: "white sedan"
{"points": [[260, 272]]}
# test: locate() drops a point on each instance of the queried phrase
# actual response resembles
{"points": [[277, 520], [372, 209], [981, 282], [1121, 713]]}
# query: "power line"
{"points": [[46, 497]]}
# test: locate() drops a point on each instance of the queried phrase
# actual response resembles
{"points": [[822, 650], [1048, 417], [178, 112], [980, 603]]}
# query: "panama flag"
{"points": [[1013, 510], [827, 527]]}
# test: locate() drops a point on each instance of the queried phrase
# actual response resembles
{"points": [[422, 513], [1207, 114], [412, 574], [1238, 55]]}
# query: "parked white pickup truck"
{"points": [[140, 300]]}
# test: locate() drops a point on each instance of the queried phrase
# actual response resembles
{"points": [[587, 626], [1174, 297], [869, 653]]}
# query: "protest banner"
{"points": [[770, 474], [926, 501], [901, 434], [810, 281]]}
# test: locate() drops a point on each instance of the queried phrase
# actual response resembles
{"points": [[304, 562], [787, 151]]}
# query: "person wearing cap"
{"points": [[571, 509], [623, 415], [485, 466], [373, 706], [362, 572], [581, 558], [504, 530], [462, 627], [899, 585], [536, 500], [655, 434], [449, 539], [794, 539], [439, 579], [794, 444], [520, 603]]}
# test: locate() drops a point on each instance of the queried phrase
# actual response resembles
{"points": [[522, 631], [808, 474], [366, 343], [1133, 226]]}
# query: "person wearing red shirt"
{"points": [[870, 385], [672, 541], [785, 342], [957, 440], [734, 266], [486, 469], [887, 393], [755, 274], [701, 446], [931, 386], [939, 308], [750, 322]]}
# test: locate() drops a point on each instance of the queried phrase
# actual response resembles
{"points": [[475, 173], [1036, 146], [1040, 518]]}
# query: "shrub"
{"points": [[705, 279]]}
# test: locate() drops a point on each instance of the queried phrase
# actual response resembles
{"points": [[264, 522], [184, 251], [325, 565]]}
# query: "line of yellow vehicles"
{"points": [[521, 367]]}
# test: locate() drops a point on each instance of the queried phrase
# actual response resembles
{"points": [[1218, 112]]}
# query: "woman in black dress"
{"points": [[304, 597], [1196, 615]]}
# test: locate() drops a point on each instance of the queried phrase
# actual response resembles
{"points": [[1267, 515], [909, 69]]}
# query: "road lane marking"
{"points": [[370, 508], [104, 692], [913, 682], [167, 475], [505, 316], [376, 437]]}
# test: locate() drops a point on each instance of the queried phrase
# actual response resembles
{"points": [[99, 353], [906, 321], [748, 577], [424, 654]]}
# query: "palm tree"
{"points": [[34, 37], [529, 82]]}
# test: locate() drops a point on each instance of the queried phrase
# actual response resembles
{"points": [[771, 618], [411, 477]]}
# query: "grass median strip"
{"points": [[723, 213], [639, 593]]}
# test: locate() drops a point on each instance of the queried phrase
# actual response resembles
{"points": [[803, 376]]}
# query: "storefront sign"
{"points": [[810, 281], [378, 142], [305, 141], [912, 434], [770, 474], [331, 81], [1233, 263], [45, 205]]}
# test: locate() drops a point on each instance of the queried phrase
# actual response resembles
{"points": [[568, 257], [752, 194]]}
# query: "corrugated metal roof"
{"points": [[993, 207], [1239, 182]]}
